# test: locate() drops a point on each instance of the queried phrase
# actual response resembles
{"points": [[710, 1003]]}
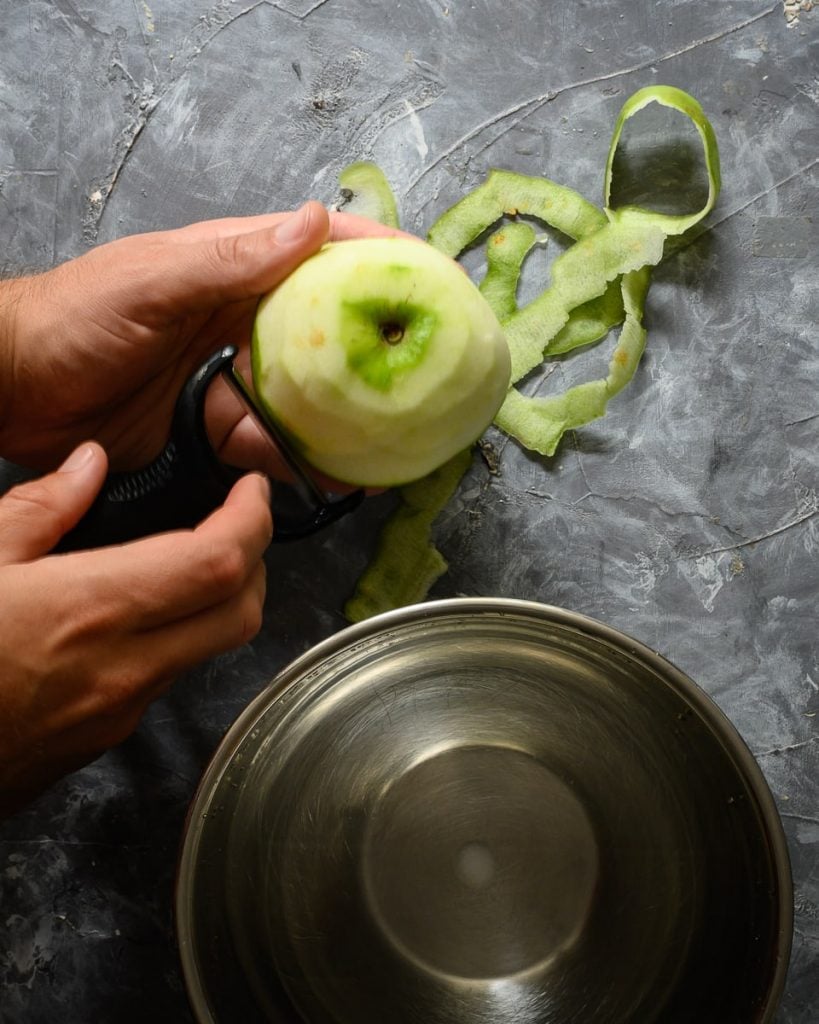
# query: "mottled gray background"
{"points": [[688, 517]]}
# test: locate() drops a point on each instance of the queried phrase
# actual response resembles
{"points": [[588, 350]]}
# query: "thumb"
{"points": [[35, 515], [245, 265]]}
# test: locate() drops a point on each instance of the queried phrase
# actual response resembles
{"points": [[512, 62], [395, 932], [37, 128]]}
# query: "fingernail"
{"points": [[79, 458], [294, 228], [267, 492], [264, 487]]}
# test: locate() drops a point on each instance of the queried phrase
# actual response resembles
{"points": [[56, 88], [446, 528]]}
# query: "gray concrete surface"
{"points": [[687, 517]]}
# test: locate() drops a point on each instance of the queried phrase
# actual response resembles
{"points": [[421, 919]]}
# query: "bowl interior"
{"points": [[484, 815]]}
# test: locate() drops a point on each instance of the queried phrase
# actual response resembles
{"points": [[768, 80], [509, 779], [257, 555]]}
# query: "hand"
{"points": [[101, 346], [87, 640]]}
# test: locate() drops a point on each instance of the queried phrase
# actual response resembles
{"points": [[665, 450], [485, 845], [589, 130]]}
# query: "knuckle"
{"points": [[227, 251], [90, 620], [227, 568]]}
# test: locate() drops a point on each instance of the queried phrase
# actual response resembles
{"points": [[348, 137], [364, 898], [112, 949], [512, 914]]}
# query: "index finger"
{"points": [[161, 579]]}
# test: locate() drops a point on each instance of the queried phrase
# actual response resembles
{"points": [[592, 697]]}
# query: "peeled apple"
{"points": [[379, 359]]}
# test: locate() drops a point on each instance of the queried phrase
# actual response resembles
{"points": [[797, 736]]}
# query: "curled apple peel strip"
{"points": [[505, 252], [599, 282], [507, 194], [368, 193], [676, 99], [579, 277], [539, 423], [407, 563]]}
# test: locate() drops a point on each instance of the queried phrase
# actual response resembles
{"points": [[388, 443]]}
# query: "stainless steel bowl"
{"points": [[483, 811]]}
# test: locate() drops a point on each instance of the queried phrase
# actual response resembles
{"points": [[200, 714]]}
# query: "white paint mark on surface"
{"points": [[810, 539], [646, 573], [706, 578], [319, 176], [417, 130], [182, 110], [750, 53]]}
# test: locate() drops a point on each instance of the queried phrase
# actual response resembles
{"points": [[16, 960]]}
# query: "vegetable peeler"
{"points": [[187, 481]]}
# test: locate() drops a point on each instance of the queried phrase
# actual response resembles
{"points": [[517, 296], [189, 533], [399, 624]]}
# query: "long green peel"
{"points": [[582, 273], [676, 99], [540, 423], [406, 563], [505, 252], [507, 194], [589, 322], [600, 281]]}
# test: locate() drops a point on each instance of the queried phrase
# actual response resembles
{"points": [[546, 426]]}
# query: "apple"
{"points": [[379, 359]]}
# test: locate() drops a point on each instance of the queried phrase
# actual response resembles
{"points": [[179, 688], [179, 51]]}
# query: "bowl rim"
{"points": [[350, 635]]}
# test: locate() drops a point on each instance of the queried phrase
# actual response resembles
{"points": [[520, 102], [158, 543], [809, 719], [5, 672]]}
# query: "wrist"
{"points": [[12, 299]]}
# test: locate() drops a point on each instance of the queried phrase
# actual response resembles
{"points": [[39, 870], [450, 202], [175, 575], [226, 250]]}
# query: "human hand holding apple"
{"points": [[101, 346], [379, 359]]}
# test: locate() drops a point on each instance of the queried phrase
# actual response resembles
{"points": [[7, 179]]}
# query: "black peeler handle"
{"points": [[184, 483], [177, 490]]}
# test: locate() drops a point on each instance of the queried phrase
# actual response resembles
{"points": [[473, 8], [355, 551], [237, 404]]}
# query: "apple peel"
{"points": [[599, 282], [508, 194], [540, 423], [406, 563], [369, 192], [505, 252], [581, 273]]}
